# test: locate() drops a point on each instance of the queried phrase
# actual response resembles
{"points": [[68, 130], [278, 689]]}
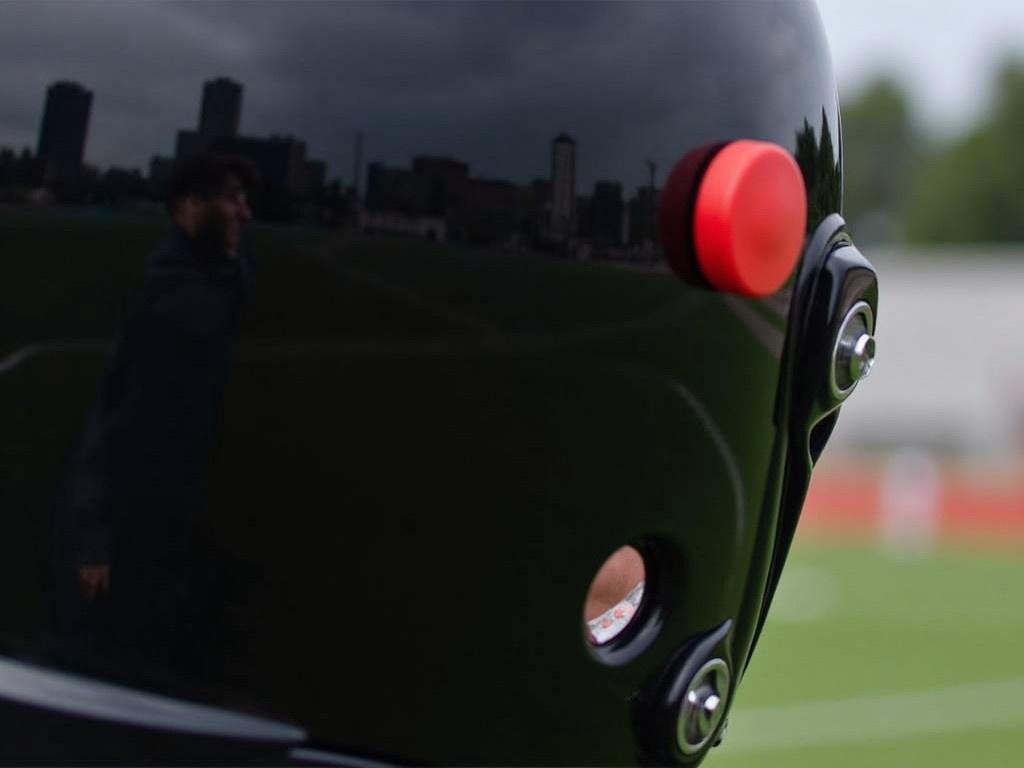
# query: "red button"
{"points": [[750, 217]]}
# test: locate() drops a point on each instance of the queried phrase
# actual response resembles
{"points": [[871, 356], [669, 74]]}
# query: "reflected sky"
{"points": [[398, 72]]}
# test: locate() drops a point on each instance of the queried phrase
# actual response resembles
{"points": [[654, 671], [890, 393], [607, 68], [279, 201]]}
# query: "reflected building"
{"points": [[160, 170], [493, 215], [643, 217], [397, 203], [536, 209], [220, 113], [606, 214], [438, 200], [18, 169], [286, 174], [187, 143], [397, 190], [563, 185], [221, 109], [315, 178], [446, 185], [583, 217], [118, 184], [280, 160], [63, 133]]}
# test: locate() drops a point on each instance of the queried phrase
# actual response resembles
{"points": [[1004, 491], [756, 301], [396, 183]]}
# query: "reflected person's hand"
{"points": [[94, 579]]}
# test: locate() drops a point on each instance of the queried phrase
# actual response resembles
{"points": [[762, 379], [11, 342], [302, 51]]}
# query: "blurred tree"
{"points": [[882, 149], [971, 190]]}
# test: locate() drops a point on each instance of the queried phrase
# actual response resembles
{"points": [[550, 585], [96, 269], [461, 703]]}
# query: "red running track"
{"points": [[848, 501]]}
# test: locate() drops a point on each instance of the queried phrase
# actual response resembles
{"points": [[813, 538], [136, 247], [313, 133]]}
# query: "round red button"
{"points": [[750, 217]]}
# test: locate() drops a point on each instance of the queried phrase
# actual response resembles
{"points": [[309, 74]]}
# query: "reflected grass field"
{"points": [[868, 658], [881, 659]]}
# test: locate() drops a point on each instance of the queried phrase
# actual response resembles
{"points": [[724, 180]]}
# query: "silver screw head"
{"points": [[703, 706], [862, 356], [853, 351], [711, 704]]}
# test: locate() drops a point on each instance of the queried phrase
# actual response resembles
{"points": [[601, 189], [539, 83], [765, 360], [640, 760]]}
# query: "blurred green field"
{"points": [[871, 658]]}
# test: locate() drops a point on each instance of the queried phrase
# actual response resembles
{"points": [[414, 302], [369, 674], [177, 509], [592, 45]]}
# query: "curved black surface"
{"points": [[453, 388]]}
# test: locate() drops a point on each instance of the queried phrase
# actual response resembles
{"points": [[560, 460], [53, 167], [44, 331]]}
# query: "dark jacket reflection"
{"points": [[135, 481]]}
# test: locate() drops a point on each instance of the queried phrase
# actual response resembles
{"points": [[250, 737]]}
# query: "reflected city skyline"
{"points": [[435, 198]]}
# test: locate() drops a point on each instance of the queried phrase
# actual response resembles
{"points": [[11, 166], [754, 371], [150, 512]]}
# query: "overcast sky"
{"points": [[129, 53], [944, 50]]}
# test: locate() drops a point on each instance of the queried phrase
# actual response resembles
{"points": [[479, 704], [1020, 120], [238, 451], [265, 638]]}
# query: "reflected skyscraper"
{"points": [[563, 184], [64, 129], [220, 113], [221, 110], [285, 172]]}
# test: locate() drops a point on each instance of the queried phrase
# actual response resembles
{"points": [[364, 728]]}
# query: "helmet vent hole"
{"points": [[615, 596]]}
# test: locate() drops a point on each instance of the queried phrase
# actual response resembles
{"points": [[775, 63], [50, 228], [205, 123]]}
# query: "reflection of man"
{"points": [[124, 519]]}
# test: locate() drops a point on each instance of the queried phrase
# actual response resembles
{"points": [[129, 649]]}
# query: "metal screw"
{"points": [[853, 353], [703, 706], [862, 357]]}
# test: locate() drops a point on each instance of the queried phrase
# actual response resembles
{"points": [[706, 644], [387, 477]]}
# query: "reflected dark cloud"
{"points": [[416, 78]]}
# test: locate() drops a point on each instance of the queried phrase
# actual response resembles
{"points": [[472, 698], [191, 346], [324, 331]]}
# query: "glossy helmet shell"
{"points": [[513, 361], [568, 408]]}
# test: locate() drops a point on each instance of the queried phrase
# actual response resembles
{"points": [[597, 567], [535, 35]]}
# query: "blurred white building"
{"points": [[949, 376]]}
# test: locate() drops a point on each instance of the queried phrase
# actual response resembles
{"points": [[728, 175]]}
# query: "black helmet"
{"points": [[548, 309]]}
